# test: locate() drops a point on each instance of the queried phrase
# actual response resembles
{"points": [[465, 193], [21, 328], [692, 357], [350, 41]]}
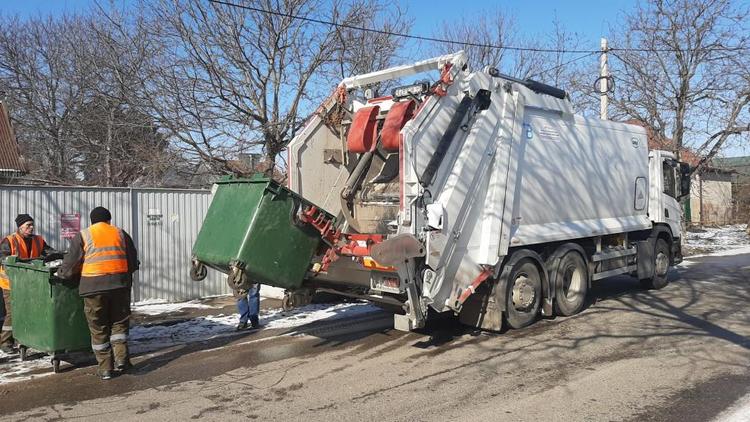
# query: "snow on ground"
{"points": [[710, 240], [145, 339], [739, 412], [160, 306], [12, 369]]}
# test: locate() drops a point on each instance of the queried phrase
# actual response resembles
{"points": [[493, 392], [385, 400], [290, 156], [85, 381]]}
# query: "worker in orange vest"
{"points": [[106, 258], [25, 245]]}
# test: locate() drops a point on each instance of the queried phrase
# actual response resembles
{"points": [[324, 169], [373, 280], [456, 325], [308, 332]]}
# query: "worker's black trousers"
{"points": [[108, 316]]}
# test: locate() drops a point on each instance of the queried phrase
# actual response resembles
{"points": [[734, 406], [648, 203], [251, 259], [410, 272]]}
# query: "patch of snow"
{"points": [[727, 252], [160, 306], [739, 412], [12, 369], [708, 240]]}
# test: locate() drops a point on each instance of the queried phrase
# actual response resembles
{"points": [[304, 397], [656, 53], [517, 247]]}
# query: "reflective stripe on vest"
{"points": [[104, 251], [18, 248], [4, 280]]}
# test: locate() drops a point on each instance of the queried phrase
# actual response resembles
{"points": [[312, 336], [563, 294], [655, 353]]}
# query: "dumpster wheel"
{"points": [[198, 272], [287, 302], [22, 351], [55, 364]]}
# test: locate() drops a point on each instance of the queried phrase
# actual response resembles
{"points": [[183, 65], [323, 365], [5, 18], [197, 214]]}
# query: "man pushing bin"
{"points": [[106, 258], [25, 245]]}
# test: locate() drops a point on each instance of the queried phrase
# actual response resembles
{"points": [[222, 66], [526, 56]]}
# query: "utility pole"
{"points": [[603, 80]]}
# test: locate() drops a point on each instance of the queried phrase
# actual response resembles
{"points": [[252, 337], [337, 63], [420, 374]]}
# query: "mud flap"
{"points": [[645, 258], [481, 311]]}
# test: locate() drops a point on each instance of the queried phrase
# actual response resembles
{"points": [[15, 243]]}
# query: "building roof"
{"points": [[731, 161], [11, 161]]}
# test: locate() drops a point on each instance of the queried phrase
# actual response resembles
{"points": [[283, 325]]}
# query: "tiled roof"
{"points": [[10, 159]]}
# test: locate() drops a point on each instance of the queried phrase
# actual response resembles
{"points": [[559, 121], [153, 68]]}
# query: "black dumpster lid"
{"points": [[256, 178]]}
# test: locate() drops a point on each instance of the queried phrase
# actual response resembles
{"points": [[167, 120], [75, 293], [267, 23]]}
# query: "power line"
{"points": [[446, 41], [563, 64]]}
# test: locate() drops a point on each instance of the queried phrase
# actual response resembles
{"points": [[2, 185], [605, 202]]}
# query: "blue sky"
{"points": [[587, 17]]}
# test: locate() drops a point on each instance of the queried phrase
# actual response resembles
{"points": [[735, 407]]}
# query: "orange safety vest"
{"points": [[104, 251], [18, 248]]}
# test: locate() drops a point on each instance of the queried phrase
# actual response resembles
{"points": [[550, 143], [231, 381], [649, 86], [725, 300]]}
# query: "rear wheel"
{"points": [[524, 294], [661, 266], [571, 285]]}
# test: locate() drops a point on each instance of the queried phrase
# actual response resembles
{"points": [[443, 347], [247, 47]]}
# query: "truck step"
{"points": [[616, 253]]}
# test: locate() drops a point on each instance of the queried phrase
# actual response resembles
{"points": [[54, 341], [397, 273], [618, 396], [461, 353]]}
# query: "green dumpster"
{"points": [[47, 311], [252, 228]]}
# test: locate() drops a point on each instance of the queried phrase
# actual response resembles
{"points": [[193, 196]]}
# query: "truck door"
{"points": [[671, 193]]}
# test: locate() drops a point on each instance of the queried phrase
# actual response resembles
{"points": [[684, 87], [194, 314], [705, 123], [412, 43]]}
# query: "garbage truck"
{"points": [[467, 192]]}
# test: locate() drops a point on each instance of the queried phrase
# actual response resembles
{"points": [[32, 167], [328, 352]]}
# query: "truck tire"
{"points": [[661, 266], [571, 286], [524, 294]]}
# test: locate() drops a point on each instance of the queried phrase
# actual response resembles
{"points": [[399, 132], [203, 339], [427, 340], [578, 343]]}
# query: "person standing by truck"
{"points": [[106, 258], [25, 245]]}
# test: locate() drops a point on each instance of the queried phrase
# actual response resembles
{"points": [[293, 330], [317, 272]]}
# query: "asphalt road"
{"points": [[677, 354]]}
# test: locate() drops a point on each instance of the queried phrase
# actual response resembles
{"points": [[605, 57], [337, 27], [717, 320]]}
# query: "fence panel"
{"points": [[163, 223]]}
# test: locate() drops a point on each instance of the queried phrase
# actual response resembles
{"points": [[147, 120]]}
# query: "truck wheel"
{"points": [[572, 284], [524, 295], [661, 266]]}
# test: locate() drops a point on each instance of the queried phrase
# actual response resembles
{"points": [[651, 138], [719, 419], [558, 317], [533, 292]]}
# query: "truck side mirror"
{"points": [[684, 180]]}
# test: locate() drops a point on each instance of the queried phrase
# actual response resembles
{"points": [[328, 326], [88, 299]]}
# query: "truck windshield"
{"points": [[669, 181]]}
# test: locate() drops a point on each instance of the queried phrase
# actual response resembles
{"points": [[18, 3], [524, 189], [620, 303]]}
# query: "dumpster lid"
{"points": [[32, 264], [255, 178]]}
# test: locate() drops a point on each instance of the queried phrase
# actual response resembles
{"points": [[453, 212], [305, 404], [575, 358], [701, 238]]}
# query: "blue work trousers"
{"points": [[248, 305]]}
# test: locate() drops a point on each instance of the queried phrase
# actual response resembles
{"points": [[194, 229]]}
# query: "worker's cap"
{"points": [[100, 215], [22, 219]]}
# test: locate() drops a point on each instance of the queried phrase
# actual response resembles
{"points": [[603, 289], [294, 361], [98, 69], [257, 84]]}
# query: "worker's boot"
{"points": [[120, 352], [104, 375], [254, 322], [123, 365], [6, 341]]}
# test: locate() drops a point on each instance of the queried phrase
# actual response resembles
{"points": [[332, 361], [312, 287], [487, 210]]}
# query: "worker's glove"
{"points": [[53, 256]]}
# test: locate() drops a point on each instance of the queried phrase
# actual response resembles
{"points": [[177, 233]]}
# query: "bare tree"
{"points": [[686, 73], [358, 51], [43, 87], [73, 85], [484, 37], [479, 36], [244, 79], [121, 142]]}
